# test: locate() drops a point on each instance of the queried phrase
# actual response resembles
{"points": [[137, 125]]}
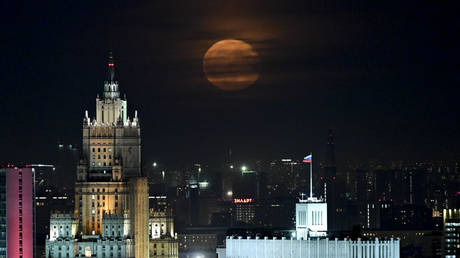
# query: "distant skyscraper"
{"points": [[246, 196], [332, 187], [64, 173], [111, 197], [330, 167], [17, 212], [451, 221], [330, 150]]}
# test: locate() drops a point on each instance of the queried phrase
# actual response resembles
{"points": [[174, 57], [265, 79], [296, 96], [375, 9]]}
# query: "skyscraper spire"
{"points": [[111, 85], [111, 68]]}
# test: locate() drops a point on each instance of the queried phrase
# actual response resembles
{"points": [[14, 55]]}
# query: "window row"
{"points": [[103, 149]]}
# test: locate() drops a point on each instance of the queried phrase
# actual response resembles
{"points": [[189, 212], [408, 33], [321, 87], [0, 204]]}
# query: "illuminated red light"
{"points": [[111, 64]]}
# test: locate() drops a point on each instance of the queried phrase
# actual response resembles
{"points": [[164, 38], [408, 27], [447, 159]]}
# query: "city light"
{"points": [[389, 188], [203, 185]]}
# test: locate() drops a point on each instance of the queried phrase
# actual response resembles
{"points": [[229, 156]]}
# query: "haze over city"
{"points": [[379, 74]]}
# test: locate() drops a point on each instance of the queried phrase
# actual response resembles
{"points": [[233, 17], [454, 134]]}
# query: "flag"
{"points": [[307, 159]]}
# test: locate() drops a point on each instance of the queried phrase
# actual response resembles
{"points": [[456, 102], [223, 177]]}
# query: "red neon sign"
{"points": [[242, 200]]}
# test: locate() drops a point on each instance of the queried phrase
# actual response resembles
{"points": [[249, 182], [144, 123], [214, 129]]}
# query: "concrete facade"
{"points": [[309, 248], [139, 200], [311, 218]]}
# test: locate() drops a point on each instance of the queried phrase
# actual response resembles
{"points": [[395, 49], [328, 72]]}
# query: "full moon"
{"points": [[231, 65]]}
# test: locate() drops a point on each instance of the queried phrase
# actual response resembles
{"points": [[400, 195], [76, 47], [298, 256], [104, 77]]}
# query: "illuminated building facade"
{"points": [[244, 210], [310, 239], [451, 219], [17, 212], [162, 238], [111, 212], [246, 197], [311, 218], [311, 227], [308, 248]]}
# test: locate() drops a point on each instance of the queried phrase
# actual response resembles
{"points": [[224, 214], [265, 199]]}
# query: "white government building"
{"points": [[310, 240]]}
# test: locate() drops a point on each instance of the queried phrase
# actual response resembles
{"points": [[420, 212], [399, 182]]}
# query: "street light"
{"points": [[154, 164], [244, 168]]}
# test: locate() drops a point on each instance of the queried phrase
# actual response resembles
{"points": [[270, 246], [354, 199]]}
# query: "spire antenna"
{"points": [[111, 66], [111, 85]]}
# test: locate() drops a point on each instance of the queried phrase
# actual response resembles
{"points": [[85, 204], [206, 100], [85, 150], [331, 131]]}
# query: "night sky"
{"points": [[382, 74]]}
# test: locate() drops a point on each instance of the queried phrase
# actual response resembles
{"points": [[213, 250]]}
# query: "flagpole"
{"points": [[311, 176]]}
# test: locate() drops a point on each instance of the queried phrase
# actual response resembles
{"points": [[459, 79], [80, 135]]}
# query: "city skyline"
{"points": [[229, 129]]}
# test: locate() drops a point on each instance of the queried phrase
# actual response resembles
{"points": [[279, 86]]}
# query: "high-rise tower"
{"points": [[111, 196], [330, 156], [17, 212], [333, 186]]}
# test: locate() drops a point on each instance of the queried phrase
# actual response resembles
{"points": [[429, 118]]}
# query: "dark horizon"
{"points": [[381, 75]]}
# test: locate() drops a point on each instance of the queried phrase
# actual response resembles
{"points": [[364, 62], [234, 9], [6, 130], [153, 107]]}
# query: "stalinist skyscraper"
{"points": [[111, 215]]}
